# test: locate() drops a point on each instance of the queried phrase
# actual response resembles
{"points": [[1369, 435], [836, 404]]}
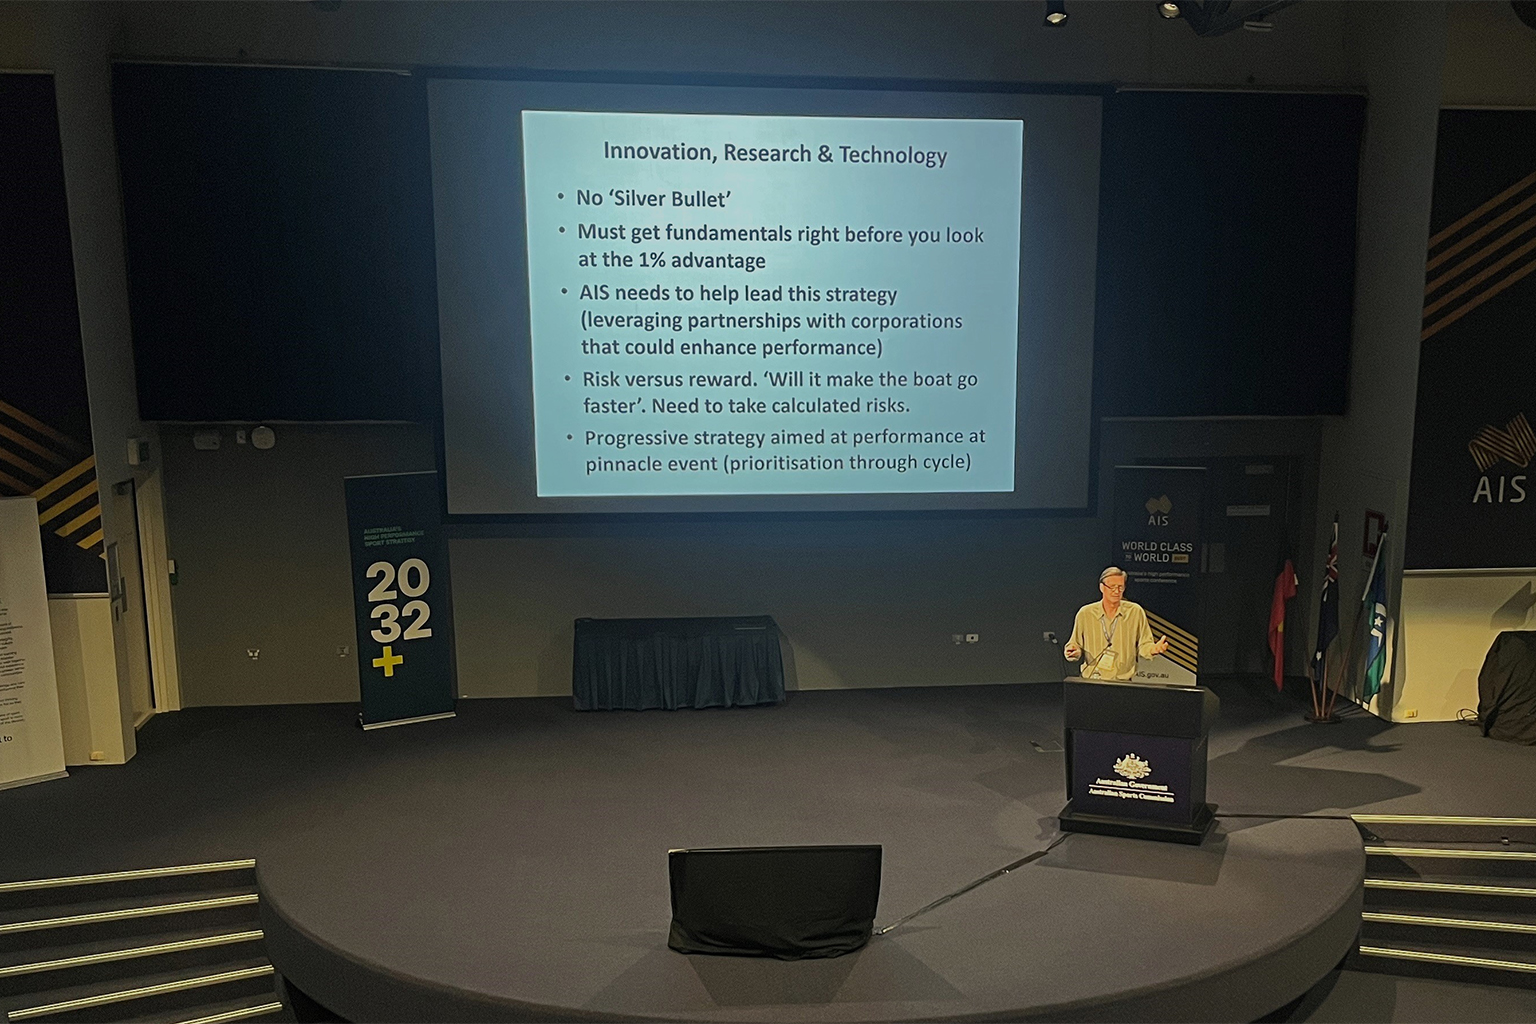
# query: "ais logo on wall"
{"points": [[1499, 453]]}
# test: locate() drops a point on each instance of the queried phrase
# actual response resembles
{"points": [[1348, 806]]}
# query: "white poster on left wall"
{"points": [[31, 739]]}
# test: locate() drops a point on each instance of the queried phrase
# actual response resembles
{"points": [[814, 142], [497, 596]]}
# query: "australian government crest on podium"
{"points": [[1136, 760]]}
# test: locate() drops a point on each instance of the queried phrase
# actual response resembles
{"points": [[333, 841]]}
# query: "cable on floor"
{"points": [[983, 880]]}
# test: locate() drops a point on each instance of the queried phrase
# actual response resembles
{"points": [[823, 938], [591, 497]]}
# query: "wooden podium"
{"points": [[1136, 759]]}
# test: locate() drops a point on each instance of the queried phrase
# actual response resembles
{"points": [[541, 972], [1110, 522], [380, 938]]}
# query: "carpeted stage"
{"points": [[511, 863]]}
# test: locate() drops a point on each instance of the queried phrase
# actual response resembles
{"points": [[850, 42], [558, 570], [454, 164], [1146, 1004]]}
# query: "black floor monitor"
{"points": [[788, 902]]}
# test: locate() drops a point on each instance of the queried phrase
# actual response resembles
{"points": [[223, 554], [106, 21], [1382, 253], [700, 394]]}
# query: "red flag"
{"points": [[1285, 589]]}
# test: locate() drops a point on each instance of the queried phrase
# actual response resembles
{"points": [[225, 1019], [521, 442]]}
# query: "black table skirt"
{"points": [[676, 663], [1506, 688]]}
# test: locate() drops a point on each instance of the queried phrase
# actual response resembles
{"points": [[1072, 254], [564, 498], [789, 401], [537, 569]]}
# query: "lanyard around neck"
{"points": [[1109, 626]]}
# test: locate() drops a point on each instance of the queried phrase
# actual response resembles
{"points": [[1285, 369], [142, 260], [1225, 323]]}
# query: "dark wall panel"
{"points": [[280, 247], [1472, 497], [279, 236], [1226, 253], [45, 418]]}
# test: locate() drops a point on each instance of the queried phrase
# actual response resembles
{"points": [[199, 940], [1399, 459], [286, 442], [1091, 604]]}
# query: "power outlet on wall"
{"points": [[973, 638], [341, 650]]}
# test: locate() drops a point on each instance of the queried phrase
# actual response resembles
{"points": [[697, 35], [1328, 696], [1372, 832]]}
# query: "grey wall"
{"points": [[259, 540], [260, 544], [1368, 452], [868, 603]]}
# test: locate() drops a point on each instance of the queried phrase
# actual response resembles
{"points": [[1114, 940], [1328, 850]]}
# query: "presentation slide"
{"points": [[772, 305], [670, 298]]}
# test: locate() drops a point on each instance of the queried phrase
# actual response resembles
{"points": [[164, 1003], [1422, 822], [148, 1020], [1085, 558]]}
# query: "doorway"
{"points": [[130, 629], [1248, 524]]}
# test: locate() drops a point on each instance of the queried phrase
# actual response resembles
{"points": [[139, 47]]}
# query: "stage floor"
{"points": [[531, 907], [559, 821]]}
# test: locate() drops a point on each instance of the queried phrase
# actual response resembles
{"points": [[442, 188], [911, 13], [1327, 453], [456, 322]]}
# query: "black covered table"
{"points": [[1506, 688], [676, 663]]}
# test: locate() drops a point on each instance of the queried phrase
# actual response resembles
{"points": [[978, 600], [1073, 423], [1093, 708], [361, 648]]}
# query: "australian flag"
{"points": [[1328, 608], [1375, 602]]}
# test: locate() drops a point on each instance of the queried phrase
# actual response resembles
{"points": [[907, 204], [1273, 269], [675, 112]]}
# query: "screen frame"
{"points": [[482, 524]]}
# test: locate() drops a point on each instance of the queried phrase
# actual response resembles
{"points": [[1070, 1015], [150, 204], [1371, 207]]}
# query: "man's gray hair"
{"points": [[1113, 570]]}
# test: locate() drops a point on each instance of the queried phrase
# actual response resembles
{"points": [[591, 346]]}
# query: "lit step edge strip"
{"points": [[1437, 819], [128, 914], [1449, 854], [1446, 958], [1448, 922], [245, 1013], [110, 956], [1461, 887], [126, 876], [127, 994]]}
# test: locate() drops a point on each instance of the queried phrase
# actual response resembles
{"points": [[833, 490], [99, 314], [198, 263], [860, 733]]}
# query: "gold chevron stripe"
{"points": [[1502, 218], [1480, 277], [1183, 647], [90, 541], [1447, 232], [1188, 650], [22, 464], [1481, 254], [1478, 300], [73, 499], [14, 484], [32, 446], [1168, 627], [1182, 662], [94, 512], [39, 426], [89, 462]]}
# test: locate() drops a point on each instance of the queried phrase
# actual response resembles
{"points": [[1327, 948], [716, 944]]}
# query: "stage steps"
{"points": [[1449, 897], [175, 944]]}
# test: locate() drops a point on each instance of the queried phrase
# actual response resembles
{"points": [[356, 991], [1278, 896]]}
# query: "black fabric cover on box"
{"points": [[676, 663], [785, 902], [1506, 688]]}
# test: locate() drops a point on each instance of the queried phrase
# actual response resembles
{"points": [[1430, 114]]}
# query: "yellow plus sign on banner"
{"points": [[388, 661]]}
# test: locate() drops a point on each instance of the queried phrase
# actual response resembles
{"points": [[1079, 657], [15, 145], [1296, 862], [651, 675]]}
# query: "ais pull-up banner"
{"points": [[1157, 542], [400, 589]]}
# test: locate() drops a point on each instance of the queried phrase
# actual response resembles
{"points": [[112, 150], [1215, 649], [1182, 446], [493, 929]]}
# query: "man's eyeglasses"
{"points": [[1113, 590]]}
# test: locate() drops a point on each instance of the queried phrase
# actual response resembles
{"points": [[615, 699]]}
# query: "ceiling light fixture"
{"points": [[1169, 10], [1055, 12]]}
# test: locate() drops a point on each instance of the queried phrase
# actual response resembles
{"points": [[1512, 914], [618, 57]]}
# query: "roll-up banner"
{"points": [[401, 593], [31, 736], [1157, 536]]}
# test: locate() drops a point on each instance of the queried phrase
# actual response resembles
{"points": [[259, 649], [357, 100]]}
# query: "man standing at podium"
{"points": [[1110, 635]]}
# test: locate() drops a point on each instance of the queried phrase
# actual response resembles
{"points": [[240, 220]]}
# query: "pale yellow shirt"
{"points": [[1130, 638]]}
